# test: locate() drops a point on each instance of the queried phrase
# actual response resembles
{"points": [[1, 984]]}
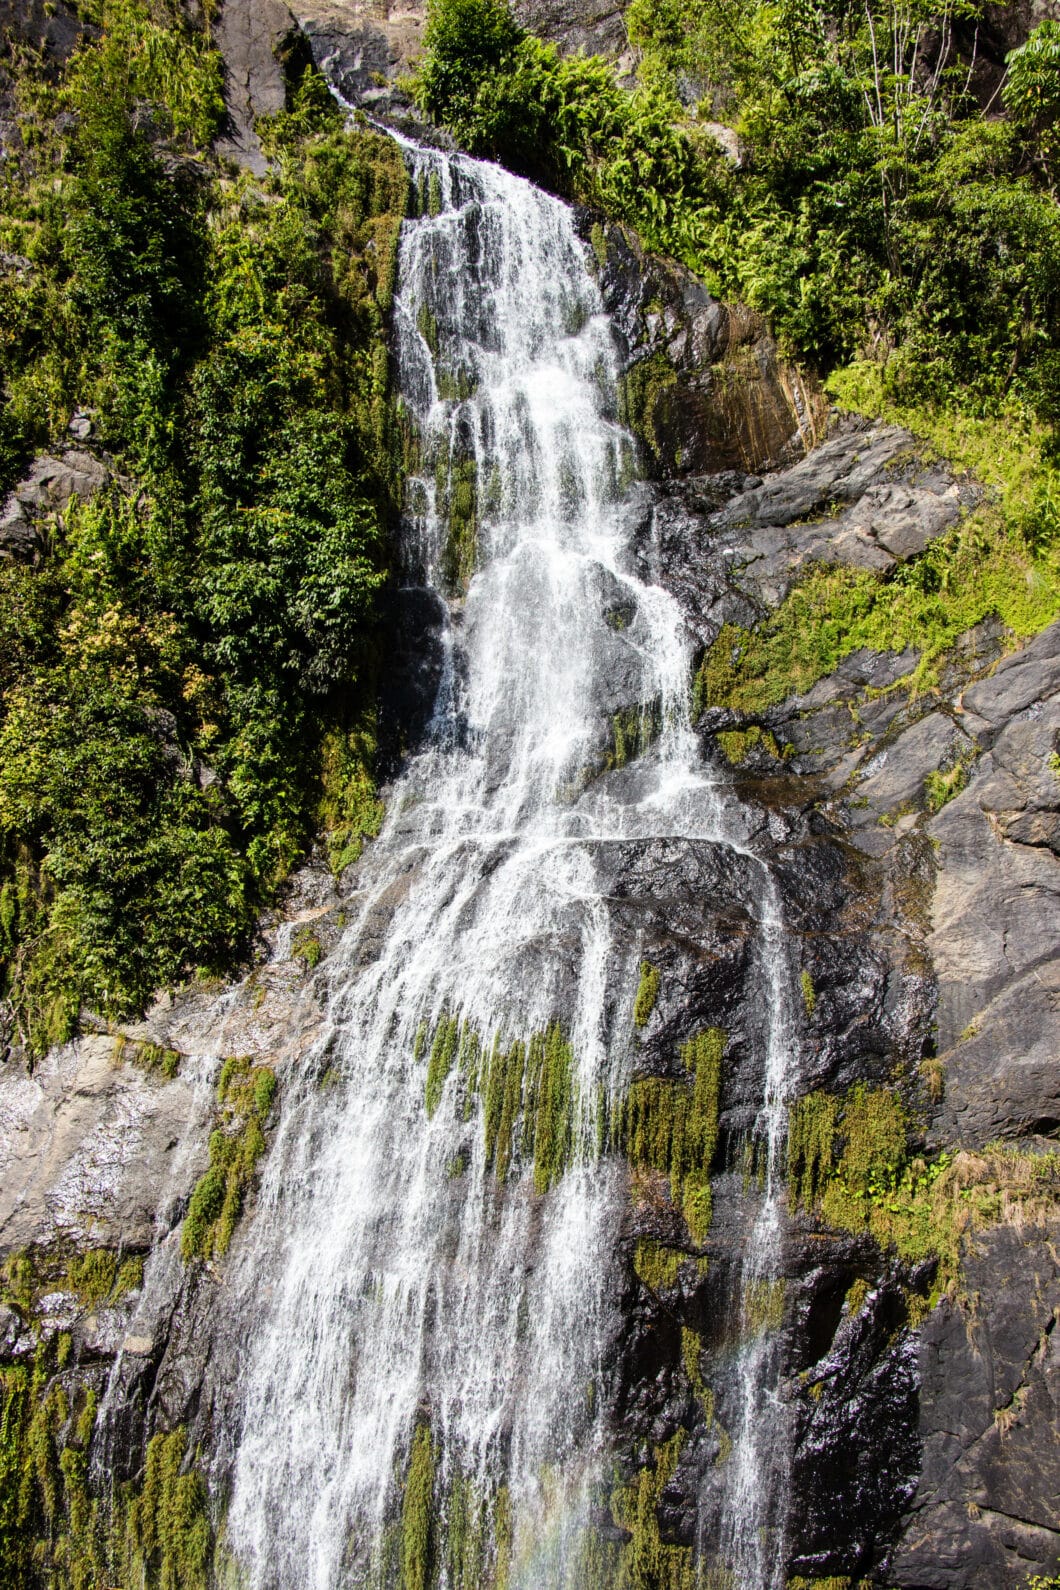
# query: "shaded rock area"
{"points": [[857, 1447], [985, 1509], [987, 40], [704, 387]]}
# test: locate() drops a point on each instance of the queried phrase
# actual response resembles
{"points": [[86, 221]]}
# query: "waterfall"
{"points": [[431, 1278], [756, 1511]]}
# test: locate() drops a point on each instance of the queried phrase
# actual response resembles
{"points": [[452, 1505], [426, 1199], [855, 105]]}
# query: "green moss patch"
{"points": [[55, 1530], [244, 1095], [671, 1126], [851, 1160], [647, 993], [526, 1091]]}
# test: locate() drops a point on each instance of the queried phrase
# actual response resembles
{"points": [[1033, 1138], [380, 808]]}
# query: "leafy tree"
{"points": [[1031, 91], [187, 673]]}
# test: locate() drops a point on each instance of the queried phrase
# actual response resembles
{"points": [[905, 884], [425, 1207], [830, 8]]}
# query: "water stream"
{"points": [[399, 1283]]}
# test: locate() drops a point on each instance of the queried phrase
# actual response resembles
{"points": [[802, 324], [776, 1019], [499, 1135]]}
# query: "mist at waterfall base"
{"points": [[396, 1283]]}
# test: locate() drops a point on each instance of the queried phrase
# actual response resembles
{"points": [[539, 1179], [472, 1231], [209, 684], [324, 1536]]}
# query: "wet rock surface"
{"points": [[914, 1449], [705, 389], [857, 1446]]}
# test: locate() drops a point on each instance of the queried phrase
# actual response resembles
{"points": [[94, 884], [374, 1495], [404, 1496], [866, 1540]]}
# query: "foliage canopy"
{"points": [[189, 658]]}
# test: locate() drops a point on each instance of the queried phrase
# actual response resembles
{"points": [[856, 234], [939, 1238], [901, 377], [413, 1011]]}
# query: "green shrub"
{"points": [[875, 208], [1031, 89], [307, 948], [809, 993], [187, 675]]}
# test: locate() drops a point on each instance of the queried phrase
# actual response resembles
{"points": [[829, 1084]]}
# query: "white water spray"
{"points": [[394, 1283]]}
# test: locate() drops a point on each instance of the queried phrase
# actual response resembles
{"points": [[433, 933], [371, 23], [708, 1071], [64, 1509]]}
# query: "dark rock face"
{"points": [[999, 29], [705, 389], [730, 544], [985, 1508], [857, 1446]]}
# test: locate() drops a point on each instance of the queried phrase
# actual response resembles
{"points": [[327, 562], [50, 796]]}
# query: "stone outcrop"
{"points": [[253, 37], [43, 497], [863, 498], [364, 48], [704, 387]]}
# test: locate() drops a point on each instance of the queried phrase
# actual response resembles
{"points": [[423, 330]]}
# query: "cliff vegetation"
{"points": [[189, 645], [843, 171]]}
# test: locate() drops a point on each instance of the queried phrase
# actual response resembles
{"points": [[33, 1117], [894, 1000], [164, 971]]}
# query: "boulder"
{"points": [[984, 1513], [45, 493], [251, 36], [863, 498]]}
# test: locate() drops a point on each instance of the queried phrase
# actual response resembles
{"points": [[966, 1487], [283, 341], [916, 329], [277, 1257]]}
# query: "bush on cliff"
{"points": [[876, 210], [901, 238], [192, 651]]}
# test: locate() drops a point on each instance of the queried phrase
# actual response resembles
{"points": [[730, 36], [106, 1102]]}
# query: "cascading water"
{"points": [[431, 1271], [756, 1513]]}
